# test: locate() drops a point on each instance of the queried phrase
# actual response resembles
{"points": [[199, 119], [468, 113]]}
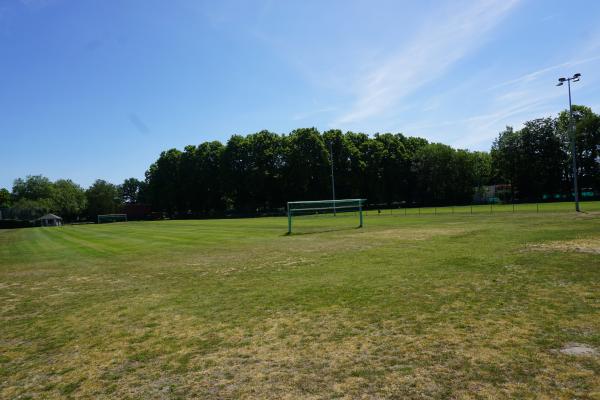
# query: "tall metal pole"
{"points": [[289, 215], [332, 178], [573, 149]]}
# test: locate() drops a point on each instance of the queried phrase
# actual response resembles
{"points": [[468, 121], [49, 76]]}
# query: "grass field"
{"points": [[586, 206], [432, 306]]}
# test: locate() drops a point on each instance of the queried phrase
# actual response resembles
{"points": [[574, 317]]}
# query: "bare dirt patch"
{"points": [[578, 349], [411, 234], [591, 245]]}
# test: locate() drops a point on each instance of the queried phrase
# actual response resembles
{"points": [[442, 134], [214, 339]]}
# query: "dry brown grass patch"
{"points": [[590, 245]]}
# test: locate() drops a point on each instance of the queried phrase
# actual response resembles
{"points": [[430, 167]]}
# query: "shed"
{"points": [[50, 220]]}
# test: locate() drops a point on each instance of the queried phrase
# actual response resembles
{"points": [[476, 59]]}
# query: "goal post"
{"points": [[298, 208], [105, 218]]}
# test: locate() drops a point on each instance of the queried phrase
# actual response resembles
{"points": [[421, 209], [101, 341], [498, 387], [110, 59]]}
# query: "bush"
{"points": [[14, 223]]}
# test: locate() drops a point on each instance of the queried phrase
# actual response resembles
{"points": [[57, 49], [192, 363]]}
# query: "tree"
{"points": [[347, 166], [5, 198], [587, 133], [210, 185], [188, 175], [463, 179], [395, 167], [102, 198], [307, 166], [265, 170], [372, 157], [33, 187], [506, 158], [164, 189], [200, 177], [542, 160], [434, 166], [482, 167], [482, 172], [412, 145], [68, 199], [235, 173], [130, 190], [531, 159], [32, 197], [26, 209]]}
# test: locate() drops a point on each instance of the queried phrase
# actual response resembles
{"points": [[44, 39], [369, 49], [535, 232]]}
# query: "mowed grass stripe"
{"points": [[85, 243]]}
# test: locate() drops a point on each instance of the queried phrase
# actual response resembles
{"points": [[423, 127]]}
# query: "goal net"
{"points": [[325, 207], [105, 218]]}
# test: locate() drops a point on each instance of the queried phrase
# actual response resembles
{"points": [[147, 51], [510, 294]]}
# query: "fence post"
{"points": [[360, 215]]}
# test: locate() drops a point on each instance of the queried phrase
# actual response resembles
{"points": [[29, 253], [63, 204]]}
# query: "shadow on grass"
{"points": [[321, 231]]}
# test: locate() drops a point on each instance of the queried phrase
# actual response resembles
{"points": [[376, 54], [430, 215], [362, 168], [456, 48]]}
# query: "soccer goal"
{"points": [[105, 218], [320, 207]]}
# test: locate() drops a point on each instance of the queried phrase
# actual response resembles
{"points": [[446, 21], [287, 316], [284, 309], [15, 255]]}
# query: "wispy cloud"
{"points": [[509, 109], [536, 74], [476, 131], [430, 54], [531, 95]]}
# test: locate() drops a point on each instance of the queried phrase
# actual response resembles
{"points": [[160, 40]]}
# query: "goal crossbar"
{"points": [[325, 208]]}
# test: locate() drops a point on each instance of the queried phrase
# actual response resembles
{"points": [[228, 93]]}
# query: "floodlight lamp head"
{"points": [[559, 84], [562, 79], [576, 76]]}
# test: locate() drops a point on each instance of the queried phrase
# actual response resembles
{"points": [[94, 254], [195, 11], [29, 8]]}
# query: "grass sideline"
{"points": [[585, 206], [445, 306]]}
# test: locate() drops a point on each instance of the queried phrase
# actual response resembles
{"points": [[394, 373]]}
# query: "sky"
{"points": [[96, 89]]}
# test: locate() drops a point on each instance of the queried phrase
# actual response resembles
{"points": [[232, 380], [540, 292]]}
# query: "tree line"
{"points": [[260, 172], [537, 161], [37, 195]]}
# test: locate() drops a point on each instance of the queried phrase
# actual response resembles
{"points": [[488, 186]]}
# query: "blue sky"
{"points": [[97, 89]]}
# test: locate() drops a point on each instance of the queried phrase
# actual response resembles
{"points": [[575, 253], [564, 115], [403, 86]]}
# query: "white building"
{"points": [[50, 220]]}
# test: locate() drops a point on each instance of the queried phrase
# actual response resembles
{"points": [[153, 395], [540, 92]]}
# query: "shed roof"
{"points": [[50, 216]]}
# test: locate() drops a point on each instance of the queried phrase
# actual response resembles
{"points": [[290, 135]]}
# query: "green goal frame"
{"points": [[323, 207]]}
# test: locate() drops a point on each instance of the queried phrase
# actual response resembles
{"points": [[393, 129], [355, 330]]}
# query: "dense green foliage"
{"points": [[103, 198], [537, 158], [131, 191], [37, 195], [68, 199], [588, 144], [260, 172], [5, 198]]}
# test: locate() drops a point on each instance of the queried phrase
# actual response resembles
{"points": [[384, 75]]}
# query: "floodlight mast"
{"points": [[332, 179], [561, 81]]}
